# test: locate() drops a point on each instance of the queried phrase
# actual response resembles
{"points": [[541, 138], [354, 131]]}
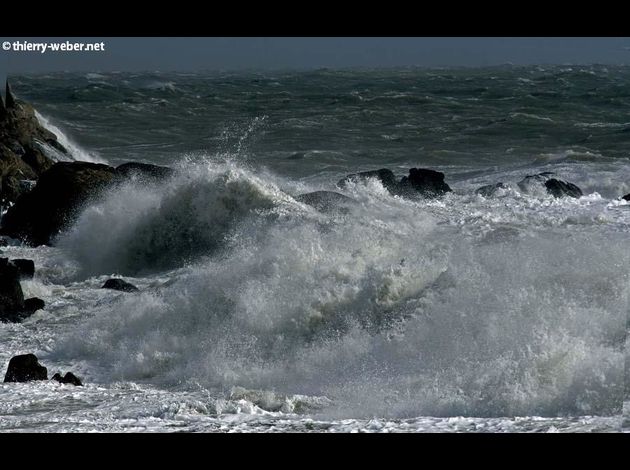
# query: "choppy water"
{"points": [[467, 313]]}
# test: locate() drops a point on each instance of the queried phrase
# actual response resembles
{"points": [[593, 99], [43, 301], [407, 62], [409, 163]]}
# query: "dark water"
{"points": [[301, 123]]}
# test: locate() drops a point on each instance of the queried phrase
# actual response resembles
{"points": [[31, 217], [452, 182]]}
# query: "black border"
{"points": [[225, 18], [312, 19], [315, 450]]}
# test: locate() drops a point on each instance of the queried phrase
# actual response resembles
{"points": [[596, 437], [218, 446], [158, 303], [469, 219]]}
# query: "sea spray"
{"points": [[77, 153], [394, 309]]}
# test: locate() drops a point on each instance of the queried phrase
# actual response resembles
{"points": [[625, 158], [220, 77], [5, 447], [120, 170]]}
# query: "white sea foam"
{"points": [[476, 306]]}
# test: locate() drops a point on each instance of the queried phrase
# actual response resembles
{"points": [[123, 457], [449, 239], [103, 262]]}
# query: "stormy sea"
{"points": [[259, 309]]}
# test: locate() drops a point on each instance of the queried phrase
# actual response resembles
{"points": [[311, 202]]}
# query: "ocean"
{"points": [[259, 313]]}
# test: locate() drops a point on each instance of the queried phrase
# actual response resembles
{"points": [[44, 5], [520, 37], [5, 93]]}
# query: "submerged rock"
{"points": [[143, 170], [421, 181], [553, 186], [69, 378], [38, 216], [325, 201], [490, 189], [25, 267], [385, 176], [530, 180], [25, 368], [559, 188], [119, 284], [429, 183]]}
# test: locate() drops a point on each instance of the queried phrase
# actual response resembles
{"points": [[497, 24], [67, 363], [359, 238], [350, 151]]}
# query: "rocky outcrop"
{"points": [[25, 368], [119, 284], [420, 181], [38, 216], [490, 189], [46, 196], [559, 188], [553, 186], [325, 201], [22, 144], [11, 295], [532, 181], [69, 378], [13, 307], [428, 183], [626, 197]]}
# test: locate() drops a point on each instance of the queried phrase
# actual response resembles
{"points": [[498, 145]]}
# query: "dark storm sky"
{"points": [[190, 54]]}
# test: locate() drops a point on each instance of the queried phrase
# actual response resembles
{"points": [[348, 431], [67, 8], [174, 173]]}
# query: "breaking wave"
{"points": [[463, 306]]}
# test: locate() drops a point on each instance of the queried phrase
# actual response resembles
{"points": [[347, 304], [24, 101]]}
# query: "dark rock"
{"points": [[553, 186], [429, 183], [119, 284], [34, 304], [25, 368], [3, 110], [8, 96], [490, 189], [37, 160], [25, 267], [385, 176], [13, 307], [559, 188], [69, 378], [10, 188], [11, 295], [39, 215], [16, 148], [143, 170], [626, 197], [529, 181], [12, 168], [23, 142], [325, 201]]}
